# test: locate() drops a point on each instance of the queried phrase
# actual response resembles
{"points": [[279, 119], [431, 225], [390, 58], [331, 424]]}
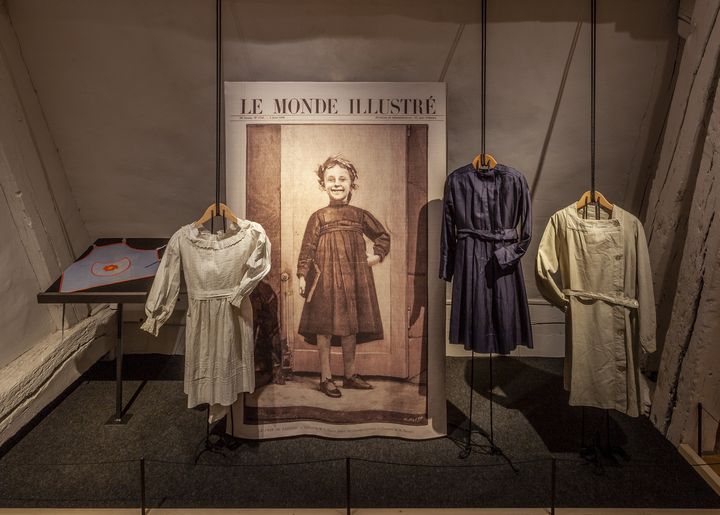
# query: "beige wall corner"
{"points": [[42, 234]]}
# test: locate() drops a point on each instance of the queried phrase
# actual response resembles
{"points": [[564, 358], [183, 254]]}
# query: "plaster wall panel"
{"points": [[128, 91], [128, 88], [25, 130], [22, 319]]}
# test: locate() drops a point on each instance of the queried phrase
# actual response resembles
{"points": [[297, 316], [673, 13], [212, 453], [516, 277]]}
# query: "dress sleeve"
{"points": [[256, 267], [509, 255], [309, 245], [547, 264], [374, 230], [165, 288], [447, 235], [645, 296]]}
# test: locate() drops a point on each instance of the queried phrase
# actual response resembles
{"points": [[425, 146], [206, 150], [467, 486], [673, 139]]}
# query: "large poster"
{"points": [[346, 179]]}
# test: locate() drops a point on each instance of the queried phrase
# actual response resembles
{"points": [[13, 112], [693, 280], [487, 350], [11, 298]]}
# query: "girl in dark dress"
{"points": [[335, 276]]}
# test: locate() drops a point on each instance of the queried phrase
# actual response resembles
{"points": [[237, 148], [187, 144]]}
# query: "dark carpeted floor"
{"points": [[69, 457]]}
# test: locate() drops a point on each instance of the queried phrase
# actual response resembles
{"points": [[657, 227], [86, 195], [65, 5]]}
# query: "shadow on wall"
{"points": [[628, 17], [338, 18], [556, 108]]}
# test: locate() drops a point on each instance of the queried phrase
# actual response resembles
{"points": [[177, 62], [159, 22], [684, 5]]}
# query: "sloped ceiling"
{"points": [[128, 88]]}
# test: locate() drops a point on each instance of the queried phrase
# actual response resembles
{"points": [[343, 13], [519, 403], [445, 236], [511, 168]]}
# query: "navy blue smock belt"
{"points": [[489, 235]]}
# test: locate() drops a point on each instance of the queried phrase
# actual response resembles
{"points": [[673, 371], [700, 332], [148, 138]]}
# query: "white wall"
{"points": [[40, 223], [22, 319], [127, 88], [41, 352]]}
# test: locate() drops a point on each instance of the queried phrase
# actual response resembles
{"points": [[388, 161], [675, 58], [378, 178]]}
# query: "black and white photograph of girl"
{"points": [[345, 208], [335, 275]]}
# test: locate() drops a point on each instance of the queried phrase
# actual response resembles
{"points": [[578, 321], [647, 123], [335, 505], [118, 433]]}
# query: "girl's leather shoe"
{"points": [[357, 382], [328, 388]]}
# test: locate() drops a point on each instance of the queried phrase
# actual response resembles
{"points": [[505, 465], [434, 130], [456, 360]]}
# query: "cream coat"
{"points": [[598, 272], [220, 271]]}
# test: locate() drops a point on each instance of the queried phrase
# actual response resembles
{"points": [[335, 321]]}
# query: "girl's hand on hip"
{"points": [[373, 260], [301, 285]]}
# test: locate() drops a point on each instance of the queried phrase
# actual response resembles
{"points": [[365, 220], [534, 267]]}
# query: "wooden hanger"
{"points": [[211, 211], [489, 162], [600, 199]]}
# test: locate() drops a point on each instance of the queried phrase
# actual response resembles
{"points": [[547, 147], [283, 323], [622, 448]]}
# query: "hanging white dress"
{"points": [[598, 271], [220, 272]]}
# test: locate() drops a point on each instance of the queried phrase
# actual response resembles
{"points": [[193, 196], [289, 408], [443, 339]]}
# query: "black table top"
{"points": [[134, 291]]}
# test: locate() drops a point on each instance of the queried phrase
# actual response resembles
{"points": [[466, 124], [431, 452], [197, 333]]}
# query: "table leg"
{"points": [[118, 418]]}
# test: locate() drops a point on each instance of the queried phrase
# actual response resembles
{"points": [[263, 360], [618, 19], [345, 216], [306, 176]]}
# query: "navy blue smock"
{"points": [[481, 247]]}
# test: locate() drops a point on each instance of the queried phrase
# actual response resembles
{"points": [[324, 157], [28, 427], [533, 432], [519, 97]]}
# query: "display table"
{"points": [[127, 292]]}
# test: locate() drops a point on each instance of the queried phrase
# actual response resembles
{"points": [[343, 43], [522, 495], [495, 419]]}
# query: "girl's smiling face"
{"points": [[337, 183]]}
